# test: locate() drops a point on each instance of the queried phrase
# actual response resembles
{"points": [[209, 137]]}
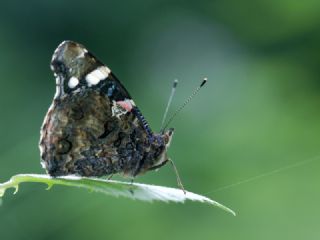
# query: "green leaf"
{"points": [[137, 191]]}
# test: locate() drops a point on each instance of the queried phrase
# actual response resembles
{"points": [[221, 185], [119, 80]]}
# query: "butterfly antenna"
{"points": [[184, 104], [173, 90]]}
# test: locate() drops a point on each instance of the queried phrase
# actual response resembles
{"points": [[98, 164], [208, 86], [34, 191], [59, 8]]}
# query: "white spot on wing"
{"points": [[97, 75], [73, 82], [105, 70], [59, 87]]}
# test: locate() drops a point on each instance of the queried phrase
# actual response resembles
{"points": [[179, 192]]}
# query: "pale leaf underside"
{"points": [[137, 191]]}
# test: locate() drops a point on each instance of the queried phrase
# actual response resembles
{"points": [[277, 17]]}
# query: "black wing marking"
{"points": [[114, 89]]}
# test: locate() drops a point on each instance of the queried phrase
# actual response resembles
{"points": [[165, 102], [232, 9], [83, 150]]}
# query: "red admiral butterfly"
{"points": [[93, 127]]}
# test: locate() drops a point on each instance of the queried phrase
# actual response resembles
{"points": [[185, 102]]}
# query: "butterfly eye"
{"points": [[64, 146]]}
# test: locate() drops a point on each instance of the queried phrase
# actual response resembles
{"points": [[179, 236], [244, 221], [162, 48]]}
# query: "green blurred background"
{"points": [[258, 113]]}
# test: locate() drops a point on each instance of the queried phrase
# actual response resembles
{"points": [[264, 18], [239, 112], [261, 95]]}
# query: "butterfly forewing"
{"points": [[93, 127]]}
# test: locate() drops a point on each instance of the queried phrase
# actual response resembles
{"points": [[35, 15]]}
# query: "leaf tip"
{"points": [[233, 213]]}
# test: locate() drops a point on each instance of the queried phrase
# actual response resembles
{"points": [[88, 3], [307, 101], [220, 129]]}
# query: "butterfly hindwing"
{"points": [[93, 127]]}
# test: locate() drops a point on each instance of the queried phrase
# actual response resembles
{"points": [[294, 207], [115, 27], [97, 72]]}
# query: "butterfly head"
{"points": [[163, 144]]}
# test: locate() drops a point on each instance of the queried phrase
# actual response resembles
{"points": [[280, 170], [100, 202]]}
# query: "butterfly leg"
{"points": [[110, 176], [177, 175], [131, 184], [179, 182]]}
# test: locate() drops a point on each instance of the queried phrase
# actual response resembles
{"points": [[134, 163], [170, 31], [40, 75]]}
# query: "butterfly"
{"points": [[93, 127]]}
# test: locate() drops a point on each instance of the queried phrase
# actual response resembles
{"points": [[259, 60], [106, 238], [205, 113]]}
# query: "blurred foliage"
{"points": [[259, 112]]}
